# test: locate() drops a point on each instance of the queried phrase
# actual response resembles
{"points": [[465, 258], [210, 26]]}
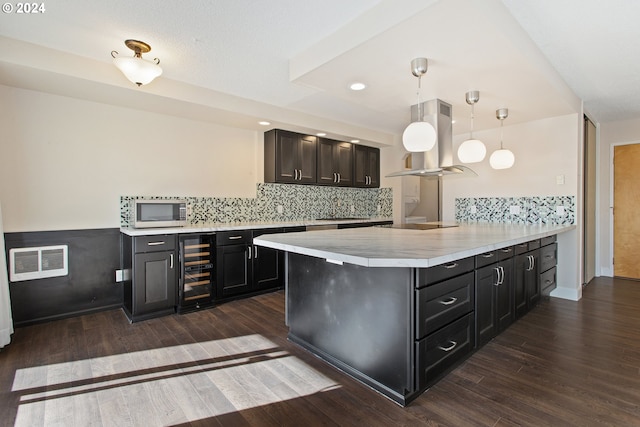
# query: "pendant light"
{"points": [[472, 150], [419, 135], [135, 68], [502, 158]]}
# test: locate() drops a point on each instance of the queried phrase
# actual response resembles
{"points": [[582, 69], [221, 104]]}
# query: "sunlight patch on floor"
{"points": [[165, 385]]}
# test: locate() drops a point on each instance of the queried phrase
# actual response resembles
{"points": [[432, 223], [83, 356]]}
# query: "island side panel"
{"points": [[360, 317]]}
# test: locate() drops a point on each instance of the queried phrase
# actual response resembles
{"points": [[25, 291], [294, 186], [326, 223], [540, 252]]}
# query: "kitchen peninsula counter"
{"points": [[395, 247], [398, 308]]}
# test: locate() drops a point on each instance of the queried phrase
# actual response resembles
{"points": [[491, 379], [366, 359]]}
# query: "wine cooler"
{"points": [[197, 272]]}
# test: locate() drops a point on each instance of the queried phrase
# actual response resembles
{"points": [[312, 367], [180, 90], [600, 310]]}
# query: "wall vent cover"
{"points": [[38, 263]]}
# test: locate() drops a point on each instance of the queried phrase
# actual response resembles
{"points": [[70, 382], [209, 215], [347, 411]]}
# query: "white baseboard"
{"points": [[567, 293]]}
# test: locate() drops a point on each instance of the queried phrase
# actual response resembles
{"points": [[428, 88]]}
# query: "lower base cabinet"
{"points": [[151, 290]]}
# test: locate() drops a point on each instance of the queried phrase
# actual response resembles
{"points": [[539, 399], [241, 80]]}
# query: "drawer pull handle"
{"points": [[235, 237], [449, 301], [489, 255], [155, 243], [505, 250], [452, 265], [448, 349]]}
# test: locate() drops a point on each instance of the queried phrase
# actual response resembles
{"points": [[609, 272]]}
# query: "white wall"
{"points": [[612, 133], [65, 162], [544, 150]]}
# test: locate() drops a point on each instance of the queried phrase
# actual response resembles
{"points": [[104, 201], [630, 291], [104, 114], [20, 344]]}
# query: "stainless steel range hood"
{"points": [[439, 160]]}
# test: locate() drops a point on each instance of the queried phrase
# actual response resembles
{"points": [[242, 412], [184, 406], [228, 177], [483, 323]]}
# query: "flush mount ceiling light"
{"points": [[419, 135], [472, 150], [138, 70], [502, 158], [357, 86]]}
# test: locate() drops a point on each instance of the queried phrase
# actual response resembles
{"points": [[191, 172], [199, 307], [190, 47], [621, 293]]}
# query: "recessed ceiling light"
{"points": [[321, 134], [357, 86], [264, 123], [355, 141]]}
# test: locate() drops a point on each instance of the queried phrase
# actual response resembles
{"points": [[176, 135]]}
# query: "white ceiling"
{"points": [[290, 61]]}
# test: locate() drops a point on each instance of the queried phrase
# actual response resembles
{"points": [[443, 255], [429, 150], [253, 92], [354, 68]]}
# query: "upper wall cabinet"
{"points": [[289, 157], [335, 163], [367, 166]]}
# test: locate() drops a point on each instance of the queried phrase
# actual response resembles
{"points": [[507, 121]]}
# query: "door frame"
{"points": [[611, 198]]}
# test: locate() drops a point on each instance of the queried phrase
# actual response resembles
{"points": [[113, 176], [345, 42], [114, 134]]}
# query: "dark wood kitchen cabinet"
{"points": [[233, 260], [335, 163], [268, 264], [289, 157], [244, 268], [548, 261], [151, 287], [494, 293], [366, 166], [527, 277]]}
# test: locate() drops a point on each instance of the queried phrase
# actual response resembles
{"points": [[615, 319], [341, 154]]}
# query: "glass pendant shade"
{"points": [[472, 151], [419, 136], [138, 70], [502, 159]]}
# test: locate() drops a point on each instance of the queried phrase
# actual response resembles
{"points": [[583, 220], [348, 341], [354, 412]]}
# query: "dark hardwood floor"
{"points": [[564, 363]]}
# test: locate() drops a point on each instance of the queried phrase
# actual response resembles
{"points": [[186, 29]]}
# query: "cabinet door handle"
{"points": [[299, 174], [448, 349], [171, 261], [450, 266], [449, 301], [497, 270], [255, 252], [155, 243], [249, 250]]}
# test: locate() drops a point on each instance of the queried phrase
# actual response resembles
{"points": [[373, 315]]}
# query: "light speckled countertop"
{"points": [[225, 226], [391, 247]]}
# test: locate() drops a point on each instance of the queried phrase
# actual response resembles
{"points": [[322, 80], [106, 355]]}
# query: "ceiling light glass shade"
{"points": [[472, 151], [138, 70], [502, 159], [419, 136]]}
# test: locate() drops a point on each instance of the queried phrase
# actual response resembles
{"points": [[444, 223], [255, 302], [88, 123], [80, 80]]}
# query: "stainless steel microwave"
{"points": [[159, 213]]}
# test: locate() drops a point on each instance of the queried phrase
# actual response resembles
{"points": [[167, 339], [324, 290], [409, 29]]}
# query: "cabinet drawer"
{"points": [[164, 242], [441, 350], [443, 302], [548, 256], [527, 246], [547, 240], [239, 237], [548, 281], [427, 276], [494, 256]]}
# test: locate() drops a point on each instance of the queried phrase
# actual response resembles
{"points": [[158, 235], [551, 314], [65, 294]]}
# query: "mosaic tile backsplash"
{"points": [[553, 210], [298, 202]]}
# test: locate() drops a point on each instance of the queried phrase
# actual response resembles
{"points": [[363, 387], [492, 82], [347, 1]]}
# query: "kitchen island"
{"points": [[398, 308]]}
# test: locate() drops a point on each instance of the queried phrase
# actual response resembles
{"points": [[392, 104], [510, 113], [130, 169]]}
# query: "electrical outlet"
{"points": [[473, 209], [514, 210], [279, 209], [560, 179], [560, 210], [353, 209]]}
